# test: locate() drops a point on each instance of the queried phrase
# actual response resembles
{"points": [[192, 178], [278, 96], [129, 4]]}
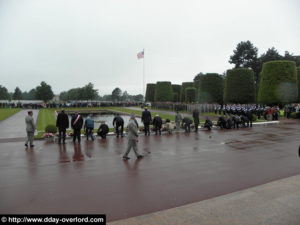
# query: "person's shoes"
{"points": [[31, 146], [140, 157], [26, 145], [126, 157], [117, 136]]}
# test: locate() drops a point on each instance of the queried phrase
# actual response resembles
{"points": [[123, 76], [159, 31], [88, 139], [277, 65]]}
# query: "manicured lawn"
{"points": [[7, 112]]}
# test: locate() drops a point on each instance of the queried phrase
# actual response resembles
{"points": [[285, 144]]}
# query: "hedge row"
{"points": [[150, 92], [163, 92]]}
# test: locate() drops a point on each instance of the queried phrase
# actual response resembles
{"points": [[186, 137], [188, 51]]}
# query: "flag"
{"points": [[140, 55]]}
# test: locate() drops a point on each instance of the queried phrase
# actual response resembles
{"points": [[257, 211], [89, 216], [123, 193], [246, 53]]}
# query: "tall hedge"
{"points": [[298, 80], [176, 90], [163, 92], [197, 86], [239, 86], [182, 91], [175, 97], [211, 88], [190, 94], [150, 92], [278, 84]]}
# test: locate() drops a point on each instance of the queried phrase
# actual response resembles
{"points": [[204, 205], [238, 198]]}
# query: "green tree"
{"points": [[88, 92], [150, 92], [182, 91], [239, 86], [29, 95], [190, 94], [44, 92], [4, 95], [17, 95], [278, 83], [163, 92], [116, 94]]}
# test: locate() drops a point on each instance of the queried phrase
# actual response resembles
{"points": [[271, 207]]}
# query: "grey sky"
{"points": [[68, 43]]}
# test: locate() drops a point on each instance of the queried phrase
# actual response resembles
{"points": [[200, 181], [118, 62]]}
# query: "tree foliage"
{"points": [[29, 95], [182, 91], [278, 83], [298, 82], [17, 95], [163, 91], [86, 92], [4, 95], [44, 92], [239, 86], [190, 94], [150, 92], [176, 92], [116, 94], [210, 88]]}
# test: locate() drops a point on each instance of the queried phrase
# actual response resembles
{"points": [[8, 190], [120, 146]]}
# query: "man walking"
{"points": [[196, 119], [30, 128], [76, 124], [89, 128], [132, 139], [178, 119], [62, 122], [146, 119], [118, 122]]}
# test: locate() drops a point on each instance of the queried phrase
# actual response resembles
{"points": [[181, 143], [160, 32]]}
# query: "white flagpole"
{"points": [[144, 75]]}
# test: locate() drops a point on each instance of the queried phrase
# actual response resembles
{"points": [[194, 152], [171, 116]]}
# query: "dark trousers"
{"points": [[121, 126], [89, 132], [146, 127], [102, 134], [158, 128], [62, 131], [187, 127], [196, 127], [76, 135]]}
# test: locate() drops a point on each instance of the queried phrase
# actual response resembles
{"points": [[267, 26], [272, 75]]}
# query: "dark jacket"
{"points": [[208, 123], [62, 120], [196, 116], [157, 121], [103, 128], [78, 124], [118, 120], [146, 117], [187, 121]]}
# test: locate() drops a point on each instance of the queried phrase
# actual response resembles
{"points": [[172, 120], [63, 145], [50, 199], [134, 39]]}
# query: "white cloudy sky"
{"points": [[68, 43]]}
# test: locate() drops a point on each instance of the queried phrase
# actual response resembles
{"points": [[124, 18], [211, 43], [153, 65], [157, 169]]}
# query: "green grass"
{"points": [[7, 112]]}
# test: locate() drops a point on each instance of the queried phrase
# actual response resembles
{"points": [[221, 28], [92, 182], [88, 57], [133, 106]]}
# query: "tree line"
{"points": [[240, 84]]}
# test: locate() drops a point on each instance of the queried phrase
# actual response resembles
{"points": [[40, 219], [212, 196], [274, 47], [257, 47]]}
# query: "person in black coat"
{"points": [[196, 119], [76, 124], [221, 122], [244, 121], [118, 122], [249, 115], [236, 121], [103, 130], [146, 119], [157, 122], [229, 123], [208, 124], [186, 123], [62, 122]]}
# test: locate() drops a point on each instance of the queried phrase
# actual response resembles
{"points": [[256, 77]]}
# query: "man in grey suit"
{"points": [[132, 139], [30, 128]]}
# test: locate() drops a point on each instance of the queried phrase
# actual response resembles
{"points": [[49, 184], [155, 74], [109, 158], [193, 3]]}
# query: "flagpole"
{"points": [[144, 75]]}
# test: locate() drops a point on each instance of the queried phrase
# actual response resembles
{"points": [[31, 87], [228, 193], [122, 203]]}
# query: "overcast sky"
{"points": [[68, 43]]}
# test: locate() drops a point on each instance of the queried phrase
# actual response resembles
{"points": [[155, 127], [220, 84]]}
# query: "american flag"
{"points": [[140, 55]]}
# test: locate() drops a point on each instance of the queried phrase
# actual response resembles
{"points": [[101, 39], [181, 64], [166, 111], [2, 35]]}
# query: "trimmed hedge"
{"points": [[182, 91], [190, 94], [150, 92], [211, 88], [176, 89], [278, 84], [163, 91], [51, 129], [175, 97], [239, 86], [197, 86], [298, 82]]}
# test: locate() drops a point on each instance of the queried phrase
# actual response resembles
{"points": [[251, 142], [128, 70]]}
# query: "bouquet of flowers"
{"points": [[48, 135]]}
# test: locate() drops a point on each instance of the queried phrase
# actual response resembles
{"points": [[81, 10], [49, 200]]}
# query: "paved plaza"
{"points": [[177, 170]]}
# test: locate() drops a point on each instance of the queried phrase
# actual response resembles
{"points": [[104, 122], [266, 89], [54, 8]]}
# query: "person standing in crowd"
{"points": [[89, 128], [196, 119], [249, 114], [76, 124], [30, 128], [132, 139], [118, 122], [178, 119], [146, 119], [62, 122], [103, 130], [186, 123], [157, 123]]}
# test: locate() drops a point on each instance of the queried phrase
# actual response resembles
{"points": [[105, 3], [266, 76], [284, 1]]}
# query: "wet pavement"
{"points": [[14, 126], [178, 169]]}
